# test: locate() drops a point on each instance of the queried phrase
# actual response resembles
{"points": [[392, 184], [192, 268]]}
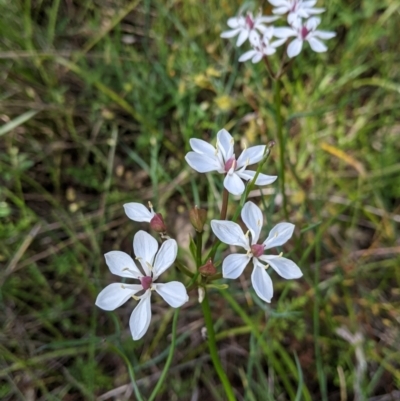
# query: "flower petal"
{"points": [[174, 293], [230, 34], [145, 248], [116, 294], [202, 163], [317, 45], [225, 143], [235, 22], [262, 179], [234, 264], [279, 235], [324, 34], [165, 257], [257, 57], [251, 155], [280, 10], [253, 218], [262, 282], [203, 147], [121, 264], [243, 35], [140, 318], [138, 212], [230, 233], [294, 48], [284, 33], [247, 56], [286, 268], [234, 184]]}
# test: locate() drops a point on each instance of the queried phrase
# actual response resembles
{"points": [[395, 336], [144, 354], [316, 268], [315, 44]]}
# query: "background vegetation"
{"points": [[98, 102]]}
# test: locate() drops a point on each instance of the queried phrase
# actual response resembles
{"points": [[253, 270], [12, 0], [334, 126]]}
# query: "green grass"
{"points": [[90, 121]]}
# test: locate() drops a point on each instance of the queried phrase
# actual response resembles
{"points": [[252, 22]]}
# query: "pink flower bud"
{"points": [[208, 269], [157, 223]]}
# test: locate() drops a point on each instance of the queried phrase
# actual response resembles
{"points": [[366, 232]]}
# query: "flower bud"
{"points": [[208, 269], [157, 223], [198, 217]]}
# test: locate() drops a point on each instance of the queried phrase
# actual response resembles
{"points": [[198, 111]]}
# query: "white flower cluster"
{"points": [[302, 27], [206, 158]]}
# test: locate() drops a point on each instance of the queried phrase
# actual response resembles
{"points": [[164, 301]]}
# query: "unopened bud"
{"points": [[208, 269], [198, 217], [157, 223]]}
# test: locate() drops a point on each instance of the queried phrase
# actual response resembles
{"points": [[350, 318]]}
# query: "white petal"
{"points": [[230, 233], [251, 155], [324, 34], [121, 264], [202, 163], [309, 3], [279, 235], [316, 10], [262, 282], [247, 56], [280, 10], [317, 45], [243, 35], [230, 34], [254, 38], [312, 23], [234, 184], [225, 143], [140, 318], [253, 218], [266, 18], [262, 179], [138, 212], [277, 3], [294, 48], [286, 268], [234, 264], [145, 248], [277, 43], [257, 57], [284, 32], [174, 293], [234, 22], [165, 257], [116, 294], [203, 147]]}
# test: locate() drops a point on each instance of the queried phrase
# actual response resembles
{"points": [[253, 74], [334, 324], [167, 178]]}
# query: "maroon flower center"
{"points": [[249, 21], [304, 32], [230, 163], [257, 250], [146, 282]]}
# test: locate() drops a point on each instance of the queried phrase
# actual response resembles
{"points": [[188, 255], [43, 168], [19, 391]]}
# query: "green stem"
{"points": [[224, 207], [169, 359], [281, 140], [212, 345]]}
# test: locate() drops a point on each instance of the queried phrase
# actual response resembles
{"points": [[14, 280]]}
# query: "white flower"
{"points": [[262, 46], [296, 9], [243, 26], [304, 32], [205, 158], [234, 264], [138, 212], [121, 264]]}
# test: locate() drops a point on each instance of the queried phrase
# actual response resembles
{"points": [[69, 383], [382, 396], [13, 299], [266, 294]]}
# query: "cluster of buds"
{"points": [[264, 38]]}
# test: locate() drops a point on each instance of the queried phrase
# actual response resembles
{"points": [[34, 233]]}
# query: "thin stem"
{"points": [[169, 359], [199, 246], [281, 140], [269, 68], [212, 345], [224, 207]]}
